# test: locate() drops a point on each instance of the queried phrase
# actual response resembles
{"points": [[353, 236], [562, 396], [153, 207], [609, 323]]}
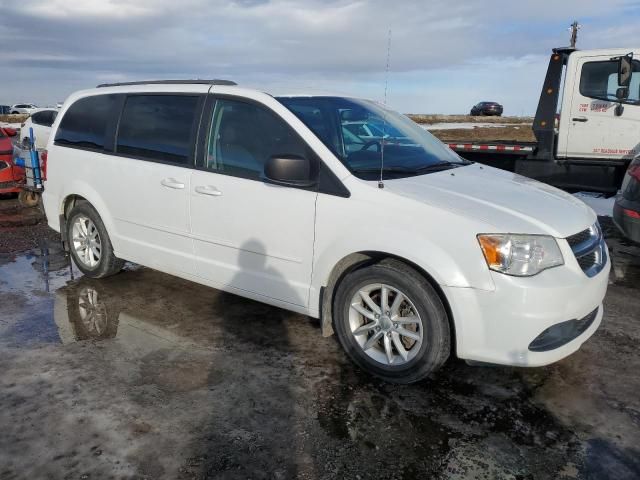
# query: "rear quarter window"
{"points": [[85, 123], [158, 127]]}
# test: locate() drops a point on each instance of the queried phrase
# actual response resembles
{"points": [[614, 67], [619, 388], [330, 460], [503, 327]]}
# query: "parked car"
{"points": [[24, 108], [408, 259], [5, 109], [41, 121], [486, 108], [626, 209]]}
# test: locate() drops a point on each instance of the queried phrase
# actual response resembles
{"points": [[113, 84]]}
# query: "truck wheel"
{"points": [[28, 199], [89, 243], [391, 322]]}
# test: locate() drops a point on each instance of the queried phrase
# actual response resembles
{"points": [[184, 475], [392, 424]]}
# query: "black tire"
{"points": [[108, 264], [435, 348]]}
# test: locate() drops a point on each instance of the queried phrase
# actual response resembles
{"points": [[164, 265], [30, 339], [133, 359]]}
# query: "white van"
{"points": [[408, 252]]}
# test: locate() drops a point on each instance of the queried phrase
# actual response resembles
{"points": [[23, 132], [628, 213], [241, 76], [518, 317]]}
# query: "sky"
{"points": [[445, 55]]}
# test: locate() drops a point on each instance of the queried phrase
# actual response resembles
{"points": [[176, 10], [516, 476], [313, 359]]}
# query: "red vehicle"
{"points": [[12, 177], [9, 173]]}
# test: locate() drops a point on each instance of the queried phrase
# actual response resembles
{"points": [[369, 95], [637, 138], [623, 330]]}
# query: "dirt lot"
{"points": [[143, 375]]}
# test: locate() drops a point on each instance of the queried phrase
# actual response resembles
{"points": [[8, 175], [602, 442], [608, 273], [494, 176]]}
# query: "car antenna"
{"points": [[384, 115]]}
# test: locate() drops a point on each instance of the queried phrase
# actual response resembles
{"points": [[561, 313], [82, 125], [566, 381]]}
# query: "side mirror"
{"points": [[12, 132], [290, 171], [625, 69]]}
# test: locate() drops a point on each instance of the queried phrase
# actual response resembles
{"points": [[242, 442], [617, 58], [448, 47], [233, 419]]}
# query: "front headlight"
{"points": [[520, 255]]}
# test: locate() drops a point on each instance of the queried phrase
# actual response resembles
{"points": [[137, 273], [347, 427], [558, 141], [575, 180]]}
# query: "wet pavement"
{"points": [[143, 375]]}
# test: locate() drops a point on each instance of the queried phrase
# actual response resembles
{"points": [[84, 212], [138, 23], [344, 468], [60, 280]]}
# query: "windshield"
{"points": [[362, 133]]}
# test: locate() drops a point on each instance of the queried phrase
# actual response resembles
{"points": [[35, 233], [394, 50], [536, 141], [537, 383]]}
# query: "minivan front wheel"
{"points": [[391, 322], [89, 243]]}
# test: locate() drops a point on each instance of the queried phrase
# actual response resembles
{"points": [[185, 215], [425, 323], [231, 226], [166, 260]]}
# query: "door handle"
{"points": [[172, 183], [208, 190], [579, 119]]}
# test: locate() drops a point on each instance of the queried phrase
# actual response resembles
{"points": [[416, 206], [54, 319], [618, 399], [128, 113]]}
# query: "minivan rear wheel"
{"points": [[89, 243], [391, 322]]}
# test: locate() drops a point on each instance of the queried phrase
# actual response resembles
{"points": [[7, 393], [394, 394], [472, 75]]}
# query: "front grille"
{"points": [[579, 237], [3, 165], [589, 249], [587, 261], [7, 184]]}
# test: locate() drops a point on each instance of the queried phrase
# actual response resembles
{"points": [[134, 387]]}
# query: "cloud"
{"points": [[445, 55]]}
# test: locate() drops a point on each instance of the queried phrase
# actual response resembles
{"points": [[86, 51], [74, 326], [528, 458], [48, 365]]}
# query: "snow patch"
{"points": [[598, 202]]}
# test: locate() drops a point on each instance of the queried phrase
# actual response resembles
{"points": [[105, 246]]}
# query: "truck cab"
{"points": [[594, 122], [596, 94]]}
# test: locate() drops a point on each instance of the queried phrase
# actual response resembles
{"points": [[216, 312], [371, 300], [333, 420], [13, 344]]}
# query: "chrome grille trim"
{"points": [[590, 250]]}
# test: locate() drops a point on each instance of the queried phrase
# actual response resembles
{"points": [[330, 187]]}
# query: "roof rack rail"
{"points": [[169, 82]]}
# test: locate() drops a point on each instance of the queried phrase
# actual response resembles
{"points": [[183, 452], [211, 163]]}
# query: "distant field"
{"points": [[507, 129], [429, 119], [13, 118], [486, 134]]}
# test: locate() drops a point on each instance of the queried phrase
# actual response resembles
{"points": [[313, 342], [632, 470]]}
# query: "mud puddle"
{"points": [[101, 375]]}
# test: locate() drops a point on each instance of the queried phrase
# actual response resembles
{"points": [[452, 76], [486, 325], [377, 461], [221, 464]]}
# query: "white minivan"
{"points": [[406, 251]]}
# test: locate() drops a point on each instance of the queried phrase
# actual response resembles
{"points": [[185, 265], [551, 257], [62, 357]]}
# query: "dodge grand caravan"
{"points": [[403, 249]]}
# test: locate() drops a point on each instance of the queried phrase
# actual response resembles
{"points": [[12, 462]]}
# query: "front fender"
{"points": [[453, 267]]}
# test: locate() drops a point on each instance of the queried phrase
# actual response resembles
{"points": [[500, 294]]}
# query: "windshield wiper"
{"points": [[437, 166], [384, 170], [424, 168]]}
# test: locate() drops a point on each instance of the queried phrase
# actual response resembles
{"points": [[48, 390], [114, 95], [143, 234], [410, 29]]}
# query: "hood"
{"points": [[508, 202], [6, 146]]}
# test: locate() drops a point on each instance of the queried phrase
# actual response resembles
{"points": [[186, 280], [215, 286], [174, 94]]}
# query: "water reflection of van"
{"points": [[90, 310]]}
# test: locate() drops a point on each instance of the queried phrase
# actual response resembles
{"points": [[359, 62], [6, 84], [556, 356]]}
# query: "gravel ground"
{"points": [[143, 375], [21, 228]]}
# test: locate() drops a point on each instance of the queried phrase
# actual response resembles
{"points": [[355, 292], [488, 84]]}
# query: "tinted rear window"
{"points": [[45, 117], [158, 127], [85, 122]]}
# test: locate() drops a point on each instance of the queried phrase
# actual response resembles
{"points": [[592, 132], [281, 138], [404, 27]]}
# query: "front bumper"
{"points": [[502, 326]]}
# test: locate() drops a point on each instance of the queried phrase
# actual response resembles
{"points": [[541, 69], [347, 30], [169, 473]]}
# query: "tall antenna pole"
{"points": [[384, 116], [575, 26]]}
